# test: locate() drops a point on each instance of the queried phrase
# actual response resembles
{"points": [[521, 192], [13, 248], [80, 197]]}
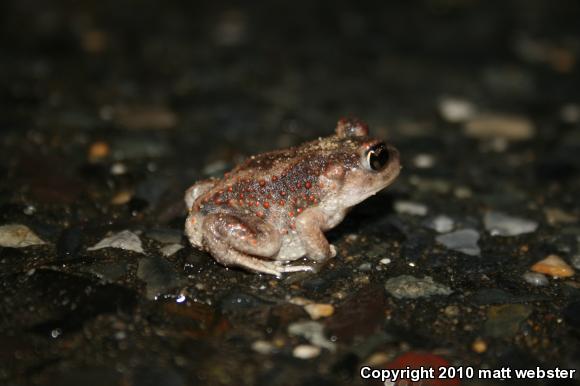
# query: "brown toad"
{"points": [[274, 207]]}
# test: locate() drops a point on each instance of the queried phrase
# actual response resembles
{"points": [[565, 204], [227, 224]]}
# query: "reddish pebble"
{"points": [[416, 360]]}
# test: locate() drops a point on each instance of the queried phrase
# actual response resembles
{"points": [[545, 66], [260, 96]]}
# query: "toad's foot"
{"points": [[251, 263]]}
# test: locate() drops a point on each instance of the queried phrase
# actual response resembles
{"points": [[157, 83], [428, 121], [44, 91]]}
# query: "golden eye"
{"points": [[377, 157]]}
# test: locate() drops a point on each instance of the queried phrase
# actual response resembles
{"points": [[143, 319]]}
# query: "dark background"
{"points": [[110, 109]]}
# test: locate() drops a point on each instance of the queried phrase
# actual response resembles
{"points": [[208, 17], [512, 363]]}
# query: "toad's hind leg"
{"points": [[243, 241]]}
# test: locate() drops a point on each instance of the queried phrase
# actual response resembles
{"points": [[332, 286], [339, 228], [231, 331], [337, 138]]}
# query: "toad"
{"points": [[275, 207]]}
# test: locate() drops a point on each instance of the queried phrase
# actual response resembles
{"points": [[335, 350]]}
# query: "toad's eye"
{"points": [[377, 157]]}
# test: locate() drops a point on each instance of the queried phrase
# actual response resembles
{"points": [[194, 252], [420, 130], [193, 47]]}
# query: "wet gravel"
{"points": [[110, 110]]}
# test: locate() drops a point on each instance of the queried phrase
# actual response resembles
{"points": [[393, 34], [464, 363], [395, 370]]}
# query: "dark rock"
{"points": [[504, 320], [237, 301], [154, 376], [159, 275], [572, 314], [69, 243], [498, 296], [360, 315]]}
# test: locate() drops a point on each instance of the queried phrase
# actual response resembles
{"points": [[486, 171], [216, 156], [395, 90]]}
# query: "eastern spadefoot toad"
{"points": [[274, 207]]}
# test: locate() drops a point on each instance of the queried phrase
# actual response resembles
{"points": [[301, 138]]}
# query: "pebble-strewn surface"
{"points": [[111, 109]]}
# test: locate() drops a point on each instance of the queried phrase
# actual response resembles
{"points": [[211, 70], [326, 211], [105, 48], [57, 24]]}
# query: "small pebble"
{"points": [[365, 267], [570, 113], [18, 236], [424, 161], [575, 260], [319, 310], [441, 224], [118, 169], [556, 216], [122, 197], [462, 192], [479, 346], [385, 261], [489, 126], [170, 249], [456, 110], [98, 151], [535, 279], [554, 266], [410, 287], [263, 347], [306, 351], [29, 210], [153, 117], [451, 311], [313, 332], [410, 207], [126, 240], [464, 241], [500, 224]]}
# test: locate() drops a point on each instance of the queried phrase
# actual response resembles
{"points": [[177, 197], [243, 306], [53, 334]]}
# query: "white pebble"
{"points": [[456, 110], [306, 351], [464, 241], [536, 279], [170, 249], [410, 207], [118, 169], [424, 161], [510, 127], [126, 240], [501, 224], [313, 332], [263, 347], [441, 224], [18, 236]]}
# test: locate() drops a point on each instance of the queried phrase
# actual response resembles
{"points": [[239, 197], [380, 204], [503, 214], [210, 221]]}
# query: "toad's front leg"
{"points": [[310, 225], [244, 241]]}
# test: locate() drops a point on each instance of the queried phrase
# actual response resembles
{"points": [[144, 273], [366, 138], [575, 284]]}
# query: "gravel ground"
{"points": [[111, 109]]}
